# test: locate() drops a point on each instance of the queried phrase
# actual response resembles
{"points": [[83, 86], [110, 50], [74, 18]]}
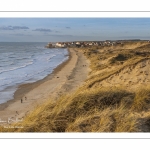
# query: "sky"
{"points": [[73, 29]]}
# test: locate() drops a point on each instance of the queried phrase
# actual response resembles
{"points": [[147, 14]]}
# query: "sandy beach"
{"points": [[64, 79]]}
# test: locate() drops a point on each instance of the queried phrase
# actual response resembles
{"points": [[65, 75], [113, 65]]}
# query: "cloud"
{"points": [[59, 35], [20, 34], [20, 27], [68, 28], [13, 27], [42, 30]]}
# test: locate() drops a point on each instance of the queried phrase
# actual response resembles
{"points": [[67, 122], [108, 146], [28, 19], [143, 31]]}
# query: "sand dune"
{"points": [[131, 77]]}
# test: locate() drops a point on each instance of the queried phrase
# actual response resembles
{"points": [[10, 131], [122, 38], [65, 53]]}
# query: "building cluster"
{"points": [[82, 44]]}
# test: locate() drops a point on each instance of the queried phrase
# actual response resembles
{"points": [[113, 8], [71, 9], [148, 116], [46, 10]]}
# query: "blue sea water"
{"points": [[26, 63]]}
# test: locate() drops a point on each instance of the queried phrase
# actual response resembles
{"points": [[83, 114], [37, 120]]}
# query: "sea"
{"points": [[26, 63]]}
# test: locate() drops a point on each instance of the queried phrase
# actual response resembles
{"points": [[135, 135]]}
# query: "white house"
{"points": [[78, 43], [58, 44]]}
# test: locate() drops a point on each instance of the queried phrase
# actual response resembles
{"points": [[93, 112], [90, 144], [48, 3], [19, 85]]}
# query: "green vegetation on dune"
{"points": [[93, 108]]}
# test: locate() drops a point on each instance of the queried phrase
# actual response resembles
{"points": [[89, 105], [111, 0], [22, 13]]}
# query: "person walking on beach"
{"points": [[21, 100], [25, 98], [17, 113]]}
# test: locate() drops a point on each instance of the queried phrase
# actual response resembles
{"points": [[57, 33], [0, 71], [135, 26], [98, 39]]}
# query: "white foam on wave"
{"points": [[35, 65], [15, 68], [50, 57], [7, 94]]}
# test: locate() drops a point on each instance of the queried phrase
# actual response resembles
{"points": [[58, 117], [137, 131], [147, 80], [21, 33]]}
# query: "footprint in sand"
{"points": [[144, 80], [145, 72], [141, 72], [121, 78], [138, 80], [130, 82], [142, 66]]}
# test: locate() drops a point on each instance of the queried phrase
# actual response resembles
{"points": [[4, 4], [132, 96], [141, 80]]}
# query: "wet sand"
{"points": [[64, 79]]}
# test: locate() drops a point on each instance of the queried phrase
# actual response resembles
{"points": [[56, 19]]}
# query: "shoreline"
{"points": [[61, 80], [24, 88]]}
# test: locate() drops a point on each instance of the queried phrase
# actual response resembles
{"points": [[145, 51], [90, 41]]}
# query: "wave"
{"points": [[48, 59], [16, 68], [28, 65]]}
